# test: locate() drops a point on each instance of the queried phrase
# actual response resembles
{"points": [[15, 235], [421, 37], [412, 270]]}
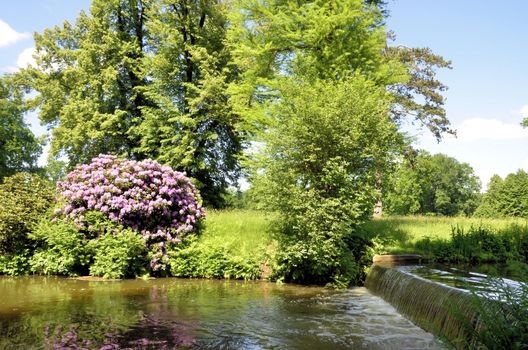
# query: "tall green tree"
{"points": [[333, 39], [19, 148], [435, 184], [322, 39], [506, 197], [89, 77], [143, 79], [193, 127]]}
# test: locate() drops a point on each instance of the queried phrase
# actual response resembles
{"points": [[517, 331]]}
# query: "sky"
{"points": [[487, 42]]}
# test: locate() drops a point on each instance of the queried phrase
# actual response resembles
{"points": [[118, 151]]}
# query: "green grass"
{"points": [[402, 232], [233, 244], [244, 232]]}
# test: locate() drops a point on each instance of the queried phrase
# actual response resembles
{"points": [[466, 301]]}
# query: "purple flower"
{"points": [[155, 200]]}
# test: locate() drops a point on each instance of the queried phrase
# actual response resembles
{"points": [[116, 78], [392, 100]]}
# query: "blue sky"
{"points": [[487, 41]]}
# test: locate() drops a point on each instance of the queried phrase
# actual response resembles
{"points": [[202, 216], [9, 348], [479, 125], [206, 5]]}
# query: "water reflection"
{"points": [[59, 313]]}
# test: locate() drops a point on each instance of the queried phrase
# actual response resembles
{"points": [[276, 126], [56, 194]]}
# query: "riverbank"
{"points": [[233, 244], [456, 240]]}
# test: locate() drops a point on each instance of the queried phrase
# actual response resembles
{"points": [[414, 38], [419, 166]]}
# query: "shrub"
{"points": [[24, 198], [323, 155], [160, 203], [15, 264], [118, 255], [196, 259], [62, 249]]}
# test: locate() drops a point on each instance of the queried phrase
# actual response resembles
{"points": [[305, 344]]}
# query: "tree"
{"points": [[432, 184], [88, 78], [333, 39], [193, 128], [421, 95], [296, 60], [143, 79], [322, 39], [19, 148], [319, 173], [508, 197]]}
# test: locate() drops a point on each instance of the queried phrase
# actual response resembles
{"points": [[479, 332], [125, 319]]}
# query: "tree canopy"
{"points": [[506, 197], [188, 82], [437, 184], [19, 148], [142, 79]]}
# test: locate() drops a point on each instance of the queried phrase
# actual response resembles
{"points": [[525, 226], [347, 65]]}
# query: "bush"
{"points": [[62, 249], [119, 255], [160, 203], [16, 264], [24, 198], [196, 259]]}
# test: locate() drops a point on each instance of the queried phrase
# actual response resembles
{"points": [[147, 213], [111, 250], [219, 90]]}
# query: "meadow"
{"points": [[401, 233], [244, 236]]}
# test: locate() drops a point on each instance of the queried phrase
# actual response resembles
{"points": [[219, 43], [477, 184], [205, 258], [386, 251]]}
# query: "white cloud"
{"points": [[10, 36], [25, 58], [490, 129]]}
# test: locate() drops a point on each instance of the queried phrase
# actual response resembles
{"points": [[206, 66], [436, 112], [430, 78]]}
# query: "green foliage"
{"points": [[478, 245], [319, 174], [19, 148], [24, 198], [435, 184], [192, 126], [421, 94], [61, 249], [508, 197], [88, 77], [331, 40], [196, 259], [143, 79], [502, 319], [104, 249], [16, 264], [119, 255]]}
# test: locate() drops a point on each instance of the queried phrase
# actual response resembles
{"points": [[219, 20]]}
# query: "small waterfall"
{"points": [[435, 307]]}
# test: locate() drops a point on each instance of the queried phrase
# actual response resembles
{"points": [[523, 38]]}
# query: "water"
{"points": [[460, 278], [60, 313], [438, 298], [434, 306]]}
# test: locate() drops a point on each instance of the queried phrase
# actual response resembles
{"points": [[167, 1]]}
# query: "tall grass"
{"points": [[401, 233], [233, 244], [245, 232]]}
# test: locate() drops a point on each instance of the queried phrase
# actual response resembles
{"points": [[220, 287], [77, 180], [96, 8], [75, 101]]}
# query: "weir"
{"points": [[435, 307]]}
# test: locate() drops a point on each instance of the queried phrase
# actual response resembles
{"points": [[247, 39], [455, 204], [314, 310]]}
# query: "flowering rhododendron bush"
{"points": [[158, 202]]}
